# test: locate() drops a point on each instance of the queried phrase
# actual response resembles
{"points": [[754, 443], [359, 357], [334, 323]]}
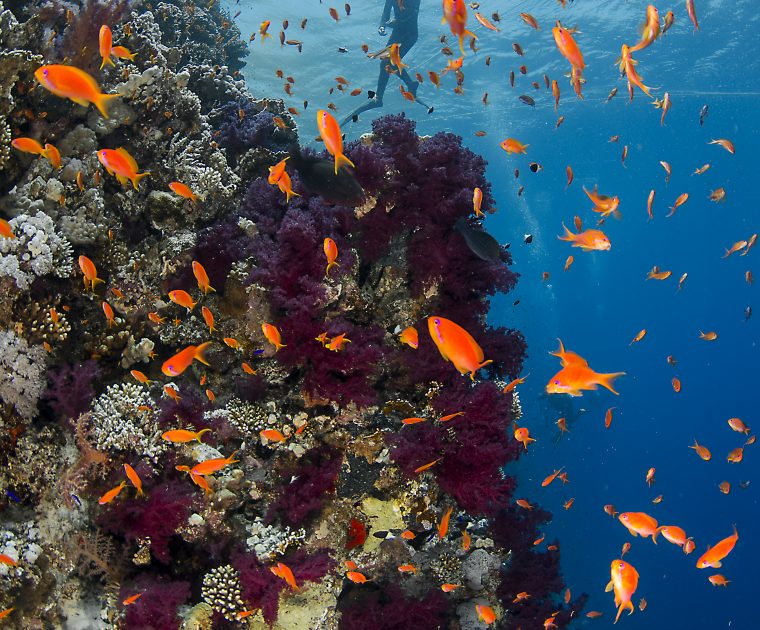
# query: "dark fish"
{"points": [[515, 303], [745, 484], [517, 173], [747, 313], [535, 167], [518, 49], [512, 78], [527, 100], [702, 115], [319, 178], [481, 243], [528, 239], [342, 49], [611, 95], [520, 191], [13, 496]]}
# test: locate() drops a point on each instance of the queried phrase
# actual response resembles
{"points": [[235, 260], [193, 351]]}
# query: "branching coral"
{"points": [[22, 378]]}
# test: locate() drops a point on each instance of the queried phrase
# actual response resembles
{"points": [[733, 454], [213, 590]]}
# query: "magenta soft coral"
{"points": [[391, 609], [156, 609], [307, 486], [164, 509], [261, 588]]}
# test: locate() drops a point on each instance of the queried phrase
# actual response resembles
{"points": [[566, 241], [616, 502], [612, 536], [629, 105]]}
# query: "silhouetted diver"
{"points": [[404, 33]]}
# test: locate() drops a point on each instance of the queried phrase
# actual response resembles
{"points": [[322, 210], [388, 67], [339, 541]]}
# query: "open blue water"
{"points": [[598, 306]]}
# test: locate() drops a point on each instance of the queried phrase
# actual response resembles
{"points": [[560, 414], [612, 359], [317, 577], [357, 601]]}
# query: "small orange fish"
{"points": [[718, 580], [356, 577], [736, 455], [702, 451], [75, 84], [410, 337], [590, 240], [408, 421], [407, 568], [603, 204], [738, 425], [134, 478], [692, 11], [443, 526], [594, 614], [273, 435], [132, 599], [247, 368], [140, 377], [466, 540], [181, 436], [714, 555], [628, 64], [331, 253], [656, 274], [689, 546], [108, 312], [524, 503], [183, 190], [90, 273], [522, 435], [283, 571], [650, 31], [568, 47], [232, 343], [568, 262], [676, 382], [562, 425], [650, 477], [204, 284], [708, 336], [639, 336], [6, 230], [538, 541], [182, 298], [28, 145], [273, 335], [7, 560], [724, 487], [650, 201], [736, 247], [329, 131], [156, 318], [640, 524], [608, 418], [477, 201], [210, 466], [208, 317], [451, 416], [123, 53], [243, 614], [575, 377], [122, 165], [550, 478], [569, 503], [672, 534], [111, 494], [172, 393], [529, 20], [447, 587], [521, 597], [625, 549], [455, 344], [726, 144], [182, 360], [512, 384], [424, 467], [624, 580], [105, 44], [407, 534], [486, 614], [510, 145], [682, 199]]}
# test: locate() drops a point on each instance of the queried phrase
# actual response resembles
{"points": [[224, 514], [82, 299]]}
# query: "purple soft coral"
{"points": [[71, 388], [392, 609], [156, 608]]}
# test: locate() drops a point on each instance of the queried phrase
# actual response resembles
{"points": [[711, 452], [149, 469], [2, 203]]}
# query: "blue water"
{"points": [[598, 306]]}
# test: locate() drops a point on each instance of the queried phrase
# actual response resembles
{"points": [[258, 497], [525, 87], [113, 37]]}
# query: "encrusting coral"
{"points": [[303, 456]]}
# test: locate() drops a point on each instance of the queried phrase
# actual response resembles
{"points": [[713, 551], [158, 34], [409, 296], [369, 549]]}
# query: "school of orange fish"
{"points": [[454, 343]]}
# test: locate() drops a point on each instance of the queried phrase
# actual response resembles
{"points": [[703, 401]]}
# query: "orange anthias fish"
{"points": [[702, 451], [7, 560], [122, 165], [210, 466], [456, 345], [329, 131], [510, 145], [624, 580], [568, 47], [89, 272], [105, 44], [75, 84], [726, 144], [183, 190], [575, 377], [455, 14], [356, 577], [394, 55], [522, 435], [181, 436], [204, 284], [550, 478], [283, 571], [640, 524], [486, 614], [331, 253], [131, 599], [603, 204], [477, 201], [272, 335], [682, 199], [718, 580], [512, 384], [134, 478], [273, 435], [123, 53], [650, 31], [443, 526], [182, 360], [182, 298], [410, 337], [672, 533], [28, 145], [111, 494], [589, 240], [713, 556], [628, 64]]}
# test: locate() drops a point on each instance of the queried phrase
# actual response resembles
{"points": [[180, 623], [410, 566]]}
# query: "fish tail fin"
{"points": [[107, 60], [330, 266], [277, 346], [289, 194], [480, 365], [559, 352], [233, 461], [606, 380], [201, 432], [655, 533], [102, 102], [137, 177], [200, 353], [342, 160], [624, 606], [568, 235]]}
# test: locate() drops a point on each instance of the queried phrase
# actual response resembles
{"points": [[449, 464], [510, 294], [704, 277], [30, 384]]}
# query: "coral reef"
{"points": [[180, 490]]}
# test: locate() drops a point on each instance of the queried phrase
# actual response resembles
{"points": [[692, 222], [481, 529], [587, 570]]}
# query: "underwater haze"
{"points": [[302, 330]]}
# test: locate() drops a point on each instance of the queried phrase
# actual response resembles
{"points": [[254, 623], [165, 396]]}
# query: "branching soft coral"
{"points": [[156, 609], [313, 479], [261, 588], [71, 388], [391, 609], [165, 507]]}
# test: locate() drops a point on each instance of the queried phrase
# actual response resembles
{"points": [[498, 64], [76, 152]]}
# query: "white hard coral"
{"points": [[22, 373]]}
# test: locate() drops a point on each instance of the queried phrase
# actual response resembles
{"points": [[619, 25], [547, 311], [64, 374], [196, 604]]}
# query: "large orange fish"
{"points": [[568, 47], [576, 376], [624, 580], [589, 240], [713, 556], [455, 14], [630, 71], [105, 44], [75, 84], [640, 524], [602, 203], [650, 31], [329, 131], [456, 345], [182, 360], [122, 165]]}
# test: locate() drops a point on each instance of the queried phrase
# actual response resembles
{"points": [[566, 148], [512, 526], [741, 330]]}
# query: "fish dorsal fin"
{"points": [[130, 160]]}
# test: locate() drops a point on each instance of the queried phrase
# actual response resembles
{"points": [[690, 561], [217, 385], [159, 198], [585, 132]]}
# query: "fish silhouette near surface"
{"points": [[318, 176]]}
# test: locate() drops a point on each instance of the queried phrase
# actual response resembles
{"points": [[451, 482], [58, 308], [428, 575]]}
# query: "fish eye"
{"points": [[624, 517], [556, 382]]}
